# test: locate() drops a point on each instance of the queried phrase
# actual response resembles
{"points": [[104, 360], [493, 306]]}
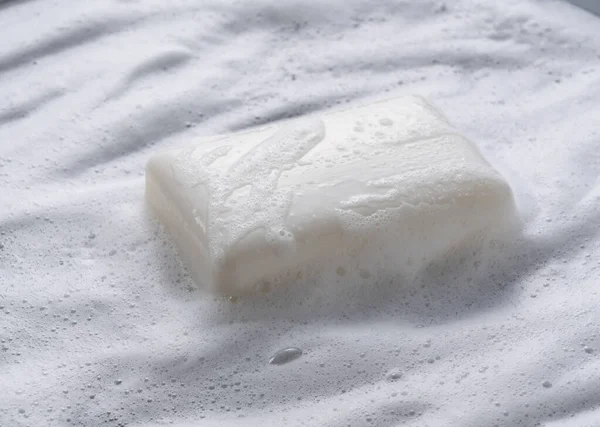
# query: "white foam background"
{"points": [[99, 324]]}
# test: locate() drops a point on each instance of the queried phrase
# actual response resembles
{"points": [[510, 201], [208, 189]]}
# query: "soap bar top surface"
{"points": [[265, 204]]}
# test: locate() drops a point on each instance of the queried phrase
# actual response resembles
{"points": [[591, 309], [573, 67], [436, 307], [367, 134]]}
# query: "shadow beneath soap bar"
{"points": [[470, 280]]}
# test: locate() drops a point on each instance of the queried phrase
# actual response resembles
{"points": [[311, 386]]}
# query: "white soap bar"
{"points": [[379, 189]]}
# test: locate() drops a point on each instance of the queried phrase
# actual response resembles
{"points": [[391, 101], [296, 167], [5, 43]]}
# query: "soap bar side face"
{"points": [[271, 204], [189, 239]]}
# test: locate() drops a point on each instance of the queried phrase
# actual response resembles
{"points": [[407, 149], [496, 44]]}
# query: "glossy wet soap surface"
{"points": [[388, 186]]}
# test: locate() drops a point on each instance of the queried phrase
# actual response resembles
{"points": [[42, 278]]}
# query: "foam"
{"points": [[376, 190], [102, 327]]}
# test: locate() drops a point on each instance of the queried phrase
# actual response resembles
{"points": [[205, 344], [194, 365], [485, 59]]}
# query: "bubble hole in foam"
{"points": [[369, 192]]}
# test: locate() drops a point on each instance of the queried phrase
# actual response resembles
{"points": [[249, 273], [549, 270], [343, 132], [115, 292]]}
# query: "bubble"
{"points": [[393, 374], [285, 355], [546, 384]]}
